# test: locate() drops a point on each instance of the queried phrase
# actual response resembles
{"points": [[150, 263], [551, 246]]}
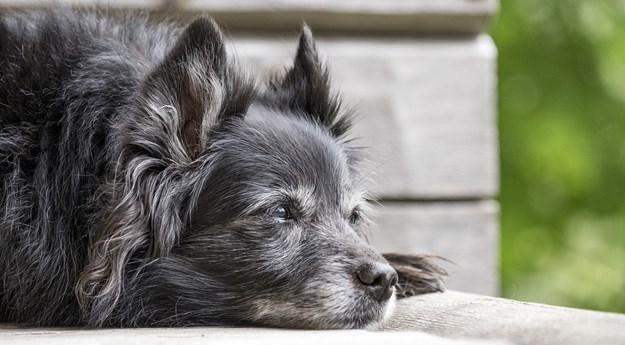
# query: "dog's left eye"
{"points": [[282, 214]]}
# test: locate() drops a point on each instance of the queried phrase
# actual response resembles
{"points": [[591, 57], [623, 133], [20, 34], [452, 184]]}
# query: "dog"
{"points": [[148, 180]]}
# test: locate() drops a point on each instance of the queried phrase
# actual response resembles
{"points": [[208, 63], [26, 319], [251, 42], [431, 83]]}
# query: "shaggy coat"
{"points": [[145, 180]]}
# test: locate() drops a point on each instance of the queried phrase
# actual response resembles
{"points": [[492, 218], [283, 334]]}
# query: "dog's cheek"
{"points": [[280, 252]]}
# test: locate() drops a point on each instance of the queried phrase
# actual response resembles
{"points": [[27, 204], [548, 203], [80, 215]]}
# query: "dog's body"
{"points": [[146, 181]]}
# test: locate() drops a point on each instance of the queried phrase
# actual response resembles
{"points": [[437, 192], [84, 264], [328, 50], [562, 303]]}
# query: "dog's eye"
{"points": [[355, 217], [282, 214]]}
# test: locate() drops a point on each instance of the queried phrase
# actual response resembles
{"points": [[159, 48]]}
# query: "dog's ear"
{"points": [[195, 88], [190, 92], [305, 88]]}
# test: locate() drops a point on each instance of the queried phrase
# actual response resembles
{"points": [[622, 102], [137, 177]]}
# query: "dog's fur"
{"points": [[145, 179]]}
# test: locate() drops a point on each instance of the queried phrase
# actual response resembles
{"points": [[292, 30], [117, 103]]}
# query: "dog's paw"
{"points": [[417, 274]]}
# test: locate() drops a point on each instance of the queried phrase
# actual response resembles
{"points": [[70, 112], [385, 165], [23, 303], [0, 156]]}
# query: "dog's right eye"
{"points": [[282, 214]]}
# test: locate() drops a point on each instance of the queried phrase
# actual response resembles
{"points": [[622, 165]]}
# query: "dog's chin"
{"points": [[364, 314], [387, 313], [371, 318]]}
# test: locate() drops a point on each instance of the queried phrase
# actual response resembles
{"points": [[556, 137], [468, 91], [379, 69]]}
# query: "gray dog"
{"points": [[147, 181]]}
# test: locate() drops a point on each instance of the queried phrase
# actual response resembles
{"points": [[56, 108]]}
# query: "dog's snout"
{"points": [[378, 279]]}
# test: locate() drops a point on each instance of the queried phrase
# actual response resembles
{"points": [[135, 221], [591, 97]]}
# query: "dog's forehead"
{"points": [[297, 156]]}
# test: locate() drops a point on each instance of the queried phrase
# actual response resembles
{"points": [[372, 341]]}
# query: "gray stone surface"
{"points": [[426, 108], [466, 233]]}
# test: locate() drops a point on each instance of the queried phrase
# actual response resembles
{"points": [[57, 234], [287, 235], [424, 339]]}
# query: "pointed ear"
{"points": [[201, 40], [189, 93], [190, 90], [306, 88]]}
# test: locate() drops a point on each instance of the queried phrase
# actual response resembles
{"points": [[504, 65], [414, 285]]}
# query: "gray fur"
{"points": [[141, 174]]}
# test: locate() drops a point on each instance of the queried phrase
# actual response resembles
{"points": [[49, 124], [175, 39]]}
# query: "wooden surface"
{"points": [[219, 336], [465, 233], [135, 4], [434, 319], [426, 108], [459, 315], [359, 16]]}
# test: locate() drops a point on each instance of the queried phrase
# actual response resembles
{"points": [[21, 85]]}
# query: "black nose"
{"points": [[378, 279]]}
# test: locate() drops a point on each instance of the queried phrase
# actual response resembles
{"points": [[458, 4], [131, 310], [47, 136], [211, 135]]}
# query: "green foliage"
{"points": [[562, 131]]}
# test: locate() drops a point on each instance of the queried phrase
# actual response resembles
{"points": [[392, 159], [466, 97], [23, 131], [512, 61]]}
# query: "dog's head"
{"points": [[237, 204]]}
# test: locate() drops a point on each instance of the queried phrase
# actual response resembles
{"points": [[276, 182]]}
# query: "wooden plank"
{"points": [[426, 108], [133, 4], [464, 232], [217, 336], [417, 320], [387, 16], [458, 315]]}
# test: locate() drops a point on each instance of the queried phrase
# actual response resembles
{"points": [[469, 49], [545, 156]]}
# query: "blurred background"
{"points": [[562, 136]]}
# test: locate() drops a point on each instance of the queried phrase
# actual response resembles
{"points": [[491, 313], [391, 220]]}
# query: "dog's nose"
{"points": [[378, 279]]}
